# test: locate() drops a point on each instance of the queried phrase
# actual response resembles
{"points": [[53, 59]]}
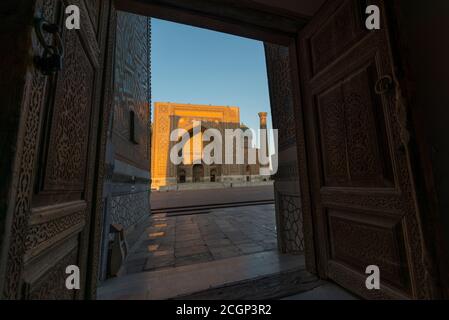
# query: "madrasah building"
{"points": [[166, 175]]}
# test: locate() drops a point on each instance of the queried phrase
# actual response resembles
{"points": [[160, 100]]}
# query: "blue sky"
{"points": [[198, 66]]}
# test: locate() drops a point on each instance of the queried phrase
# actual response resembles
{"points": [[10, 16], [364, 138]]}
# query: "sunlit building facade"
{"points": [[192, 174]]}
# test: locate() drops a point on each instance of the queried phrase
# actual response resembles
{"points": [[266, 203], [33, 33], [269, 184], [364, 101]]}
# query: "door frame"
{"points": [[244, 18]]}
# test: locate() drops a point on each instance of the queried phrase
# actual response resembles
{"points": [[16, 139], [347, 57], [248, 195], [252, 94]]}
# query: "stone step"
{"points": [[265, 275], [269, 287], [199, 208]]}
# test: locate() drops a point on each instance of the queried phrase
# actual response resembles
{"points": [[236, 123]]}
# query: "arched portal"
{"points": [[213, 175], [198, 172], [181, 176]]}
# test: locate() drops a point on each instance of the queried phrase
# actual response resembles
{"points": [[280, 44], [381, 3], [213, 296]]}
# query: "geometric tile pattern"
{"points": [[127, 209], [291, 224]]}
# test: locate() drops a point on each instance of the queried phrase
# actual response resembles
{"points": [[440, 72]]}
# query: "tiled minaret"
{"points": [[263, 125]]}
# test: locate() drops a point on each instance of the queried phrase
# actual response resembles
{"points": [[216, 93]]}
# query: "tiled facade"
{"points": [[129, 208], [286, 186], [127, 187], [171, 116]]}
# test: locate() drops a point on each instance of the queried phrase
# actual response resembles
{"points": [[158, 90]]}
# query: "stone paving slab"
{"points": [[172, 241]]}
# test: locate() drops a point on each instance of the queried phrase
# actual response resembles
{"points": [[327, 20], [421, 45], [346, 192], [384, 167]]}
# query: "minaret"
{"points": [[263, 120], [263, 126]]}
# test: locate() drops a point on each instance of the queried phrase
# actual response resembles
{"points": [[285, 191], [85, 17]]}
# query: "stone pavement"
{"points": [[189, 239]]}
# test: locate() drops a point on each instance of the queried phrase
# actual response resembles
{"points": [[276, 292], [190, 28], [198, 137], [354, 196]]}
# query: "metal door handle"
{"points": [[383, 85], [51, 60]]}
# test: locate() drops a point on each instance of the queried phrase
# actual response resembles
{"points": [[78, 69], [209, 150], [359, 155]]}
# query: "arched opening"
{"points": [[213, 174], [182, 176], [193, 148], [198, 172]]}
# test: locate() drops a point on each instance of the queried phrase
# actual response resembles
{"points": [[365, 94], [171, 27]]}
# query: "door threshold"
{"points": [[259, 276], [270, 287]]}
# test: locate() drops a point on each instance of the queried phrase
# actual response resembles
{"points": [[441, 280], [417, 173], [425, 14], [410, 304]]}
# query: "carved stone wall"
{"points": [[286, 186]]}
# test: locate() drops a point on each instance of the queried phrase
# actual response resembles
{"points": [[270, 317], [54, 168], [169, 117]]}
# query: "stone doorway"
{"points": [[198, 173], [213, 175], [225, 225], [182, 176]]}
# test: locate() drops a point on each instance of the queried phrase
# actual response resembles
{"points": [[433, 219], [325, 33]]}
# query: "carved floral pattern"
{"points": [[31, 112], [42, 232], [50, 286], [353, 143], [67, 154], [361, 244]]}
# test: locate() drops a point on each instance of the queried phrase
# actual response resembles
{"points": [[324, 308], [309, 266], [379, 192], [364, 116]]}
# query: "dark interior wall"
{"points": [[424, 26], [299, 7], [15, 37]]}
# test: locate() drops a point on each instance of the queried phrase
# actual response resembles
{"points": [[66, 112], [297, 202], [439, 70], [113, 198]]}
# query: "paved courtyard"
{"points": [[173, 241], [163, 199]]}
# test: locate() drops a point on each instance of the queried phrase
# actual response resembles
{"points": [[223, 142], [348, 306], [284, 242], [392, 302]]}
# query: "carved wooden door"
{"points": [[362, 193], [54, 201]]}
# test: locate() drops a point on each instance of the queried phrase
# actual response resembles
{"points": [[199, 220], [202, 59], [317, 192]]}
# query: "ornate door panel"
{"points": [[361, 187], [50, 226]]}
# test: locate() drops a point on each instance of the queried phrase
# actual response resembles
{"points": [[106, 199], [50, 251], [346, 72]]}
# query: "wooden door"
{"points": [[53, 199], [362, 195]]}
